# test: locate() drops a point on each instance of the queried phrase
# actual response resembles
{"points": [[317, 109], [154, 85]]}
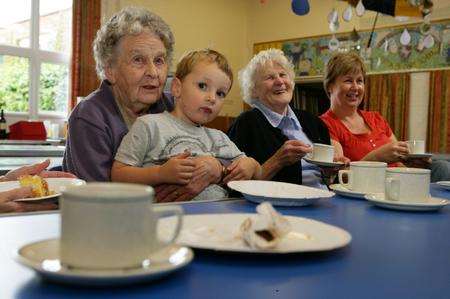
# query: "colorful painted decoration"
{"points": [[347, 14], [333, 44], [405, 38], [360, 9], [428, 41], [333, 16]]}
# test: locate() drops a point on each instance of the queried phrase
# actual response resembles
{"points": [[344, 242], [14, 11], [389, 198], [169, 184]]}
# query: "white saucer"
{"points": [[341, 190], [432, 204], [444, 184], [56, 185], [43, 257], [279, 193], [221, 232], [323, 163], [424, 155]]}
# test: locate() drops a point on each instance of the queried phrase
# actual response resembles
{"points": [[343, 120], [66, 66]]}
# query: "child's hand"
{"points": [[178, 169], [244, 168]]}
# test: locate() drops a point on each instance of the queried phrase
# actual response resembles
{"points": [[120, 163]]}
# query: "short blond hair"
{"points": [[247, 76], [342, 64], [192, 58]]}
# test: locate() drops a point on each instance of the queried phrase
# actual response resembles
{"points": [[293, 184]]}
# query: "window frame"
{"points": [[36, 57]]}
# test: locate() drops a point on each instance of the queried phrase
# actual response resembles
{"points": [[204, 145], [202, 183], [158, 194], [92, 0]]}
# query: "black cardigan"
{"points": [[254, 135]]}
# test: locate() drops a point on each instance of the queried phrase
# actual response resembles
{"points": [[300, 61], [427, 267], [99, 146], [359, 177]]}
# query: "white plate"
{"points": [[341, 190], [323, 163], [221, 232], [432, 204], [444, 184], [279, 193], [43, 257], [54, 184], [424, 155]]}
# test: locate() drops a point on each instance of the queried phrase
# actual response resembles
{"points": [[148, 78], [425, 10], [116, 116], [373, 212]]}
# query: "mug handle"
{"points": [[341, 174], [170, 211], [392, 189]]}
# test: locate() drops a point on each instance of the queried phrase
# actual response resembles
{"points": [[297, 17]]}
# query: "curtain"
{"points": [[438, 131], [389, 95], [86, 22]]}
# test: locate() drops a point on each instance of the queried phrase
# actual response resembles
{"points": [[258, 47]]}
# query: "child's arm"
{"points": [[177, 170], [244, 168]]}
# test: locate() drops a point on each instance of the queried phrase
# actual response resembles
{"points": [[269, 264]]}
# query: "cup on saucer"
{"points": [[111, 225], [322, 152], [416, 146], [364, 176], [407, 184]]}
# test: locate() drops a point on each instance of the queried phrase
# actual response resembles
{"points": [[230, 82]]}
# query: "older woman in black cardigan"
{"points": [[273, 133]]}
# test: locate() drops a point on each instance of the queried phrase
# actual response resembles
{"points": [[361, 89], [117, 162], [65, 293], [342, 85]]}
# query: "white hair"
{"points": [[247, 76], [128, 21]]}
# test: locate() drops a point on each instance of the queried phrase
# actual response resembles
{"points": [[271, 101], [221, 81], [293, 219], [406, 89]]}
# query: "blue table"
{"points": [[393, 254]]}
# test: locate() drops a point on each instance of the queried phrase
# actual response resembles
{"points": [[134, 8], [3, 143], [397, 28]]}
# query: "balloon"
{"points": [[300, 7]]}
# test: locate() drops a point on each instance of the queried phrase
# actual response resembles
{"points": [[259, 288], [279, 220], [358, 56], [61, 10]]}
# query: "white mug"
{"points": [[322, 152], [407, 184], [111, 225], [416, 146], [365, 176]]}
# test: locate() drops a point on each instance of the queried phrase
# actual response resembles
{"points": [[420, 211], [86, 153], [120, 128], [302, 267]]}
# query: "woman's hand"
{"points": [[291, 152], [390, 152], [178, 169], [38, 169], [208, 170], [341, 158], [7, 203], [243, 168]]}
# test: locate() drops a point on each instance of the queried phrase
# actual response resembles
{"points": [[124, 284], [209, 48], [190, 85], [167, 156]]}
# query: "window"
{"points": [[35, 47]]}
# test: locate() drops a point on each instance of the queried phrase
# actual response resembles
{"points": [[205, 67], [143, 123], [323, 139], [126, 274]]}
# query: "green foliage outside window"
{"points": [[14, 85]]}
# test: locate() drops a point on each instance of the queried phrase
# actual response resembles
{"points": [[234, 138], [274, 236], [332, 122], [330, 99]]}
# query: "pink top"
{"points": [[356, 146]]}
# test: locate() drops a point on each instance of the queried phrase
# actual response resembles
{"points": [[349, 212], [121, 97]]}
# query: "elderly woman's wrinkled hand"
{"points": [[39, 169], [244, 168], [7, 203], [291, 152], [392, 152], [208, 170], [178, 169]]}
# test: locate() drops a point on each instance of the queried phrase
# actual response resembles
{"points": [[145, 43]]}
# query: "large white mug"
{"points": [[416, 146], [364, 176], [407, 184], [111, 225], [322, 152]]}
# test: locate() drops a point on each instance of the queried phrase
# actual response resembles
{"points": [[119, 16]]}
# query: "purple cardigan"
{"points": [[96, 128]]}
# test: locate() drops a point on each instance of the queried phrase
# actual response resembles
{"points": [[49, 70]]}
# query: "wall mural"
{"points": [[409, 47]]}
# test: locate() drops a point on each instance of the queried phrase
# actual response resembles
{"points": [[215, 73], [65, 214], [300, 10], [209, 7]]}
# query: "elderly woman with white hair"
{"points": [[273, 133], [133, 53]]}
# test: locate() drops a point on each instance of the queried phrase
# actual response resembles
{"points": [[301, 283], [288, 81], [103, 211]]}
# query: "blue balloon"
{"points": [[300, 7]]}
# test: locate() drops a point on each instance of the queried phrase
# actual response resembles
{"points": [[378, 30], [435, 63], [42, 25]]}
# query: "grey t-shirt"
{"points": [[153, 139]]}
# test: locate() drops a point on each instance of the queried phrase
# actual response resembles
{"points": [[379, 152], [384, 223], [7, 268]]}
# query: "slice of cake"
{"points": [[38, 185]]}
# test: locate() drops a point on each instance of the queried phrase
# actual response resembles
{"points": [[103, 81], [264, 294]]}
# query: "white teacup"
{"points": [[416, 146], [322, 152], [365, 176], [111, 225], [407, 184]]}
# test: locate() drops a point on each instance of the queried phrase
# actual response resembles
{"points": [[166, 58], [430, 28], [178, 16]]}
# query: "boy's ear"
{"points": [[176, 87]]}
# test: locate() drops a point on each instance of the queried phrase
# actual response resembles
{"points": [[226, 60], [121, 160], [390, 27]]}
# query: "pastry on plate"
{"points": [[38, 185]]}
